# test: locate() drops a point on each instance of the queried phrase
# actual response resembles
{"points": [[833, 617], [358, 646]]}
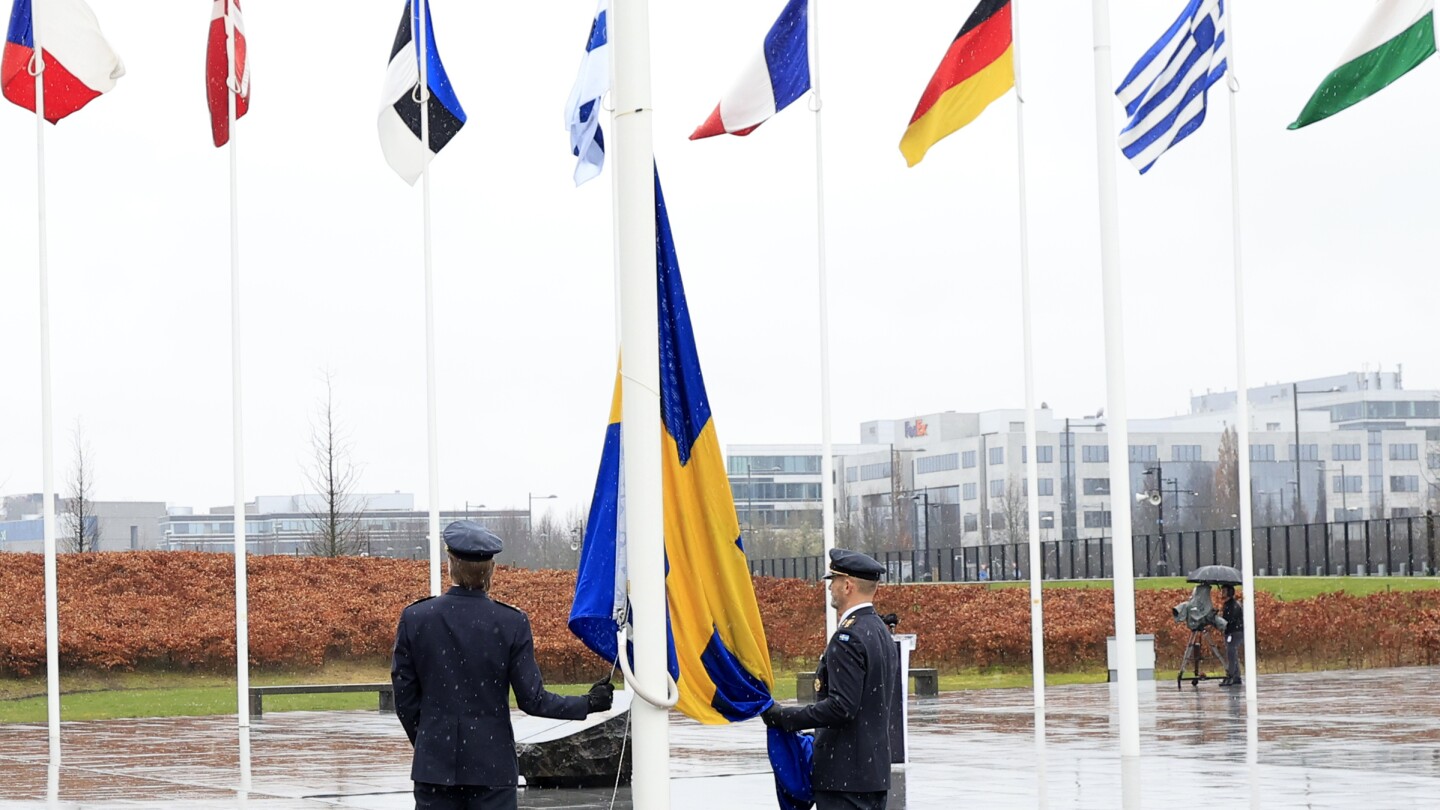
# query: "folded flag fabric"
{"points": [[217, 69], [80, 65], [400, 101], [1165, 93], [582, 110], [716, 647], [777, 76], [979, 66], [1399, 35]]}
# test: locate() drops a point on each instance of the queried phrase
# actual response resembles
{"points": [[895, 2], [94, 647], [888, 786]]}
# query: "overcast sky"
{"points": [[1340, 225]]}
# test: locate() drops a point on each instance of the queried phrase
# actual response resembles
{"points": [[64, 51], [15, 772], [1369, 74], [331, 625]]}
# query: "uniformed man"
{"points": [[457, 656], [853, 683]]}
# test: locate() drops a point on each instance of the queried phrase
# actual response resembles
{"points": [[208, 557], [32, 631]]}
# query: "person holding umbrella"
{"points": [[1234, 615]]}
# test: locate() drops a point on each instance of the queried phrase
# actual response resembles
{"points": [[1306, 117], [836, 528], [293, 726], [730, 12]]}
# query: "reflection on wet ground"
{"points": [[1325, 740]]}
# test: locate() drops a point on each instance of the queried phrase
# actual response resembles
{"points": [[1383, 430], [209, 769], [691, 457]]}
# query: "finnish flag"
{"points": [[582, 110], [1165, 93], [400, 100]]}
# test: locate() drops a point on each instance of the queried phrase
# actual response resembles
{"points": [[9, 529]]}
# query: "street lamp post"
{"points": [[530, 517], [924, 499], [1156, 496]]}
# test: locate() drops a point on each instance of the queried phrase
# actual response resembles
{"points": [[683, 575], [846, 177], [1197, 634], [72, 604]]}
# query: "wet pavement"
{"points": [[1325, 740]]}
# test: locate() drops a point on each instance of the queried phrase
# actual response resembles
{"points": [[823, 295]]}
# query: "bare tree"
{"points": [[81, 526], [1227, 481], [336, 513], [1015, 506]]}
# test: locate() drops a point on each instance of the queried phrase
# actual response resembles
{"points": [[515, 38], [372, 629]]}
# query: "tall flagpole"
{"points": [[1032, 467], [827, 450], [640, 440], [242, 611], [1127, 693], [47, 441], [431, 432], [1242, 411]]}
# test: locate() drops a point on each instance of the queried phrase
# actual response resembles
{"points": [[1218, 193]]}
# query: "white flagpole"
{"points": [[1242, 408], [1127, 693], [242, 606], [1032, 467], [47, 441], [827, 450], [432, 433], [640, 447]]}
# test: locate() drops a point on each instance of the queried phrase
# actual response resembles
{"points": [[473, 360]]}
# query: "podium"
{"points": [[900, 706]]}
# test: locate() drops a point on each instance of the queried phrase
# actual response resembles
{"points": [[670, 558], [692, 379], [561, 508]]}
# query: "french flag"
{"points": [[778, 75], [79, 63]]}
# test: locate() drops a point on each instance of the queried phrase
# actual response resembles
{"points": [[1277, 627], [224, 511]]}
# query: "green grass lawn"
{"points": [[1284, 588]]}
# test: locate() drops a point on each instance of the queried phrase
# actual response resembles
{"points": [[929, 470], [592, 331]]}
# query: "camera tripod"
{"points": [[1201, 643]]}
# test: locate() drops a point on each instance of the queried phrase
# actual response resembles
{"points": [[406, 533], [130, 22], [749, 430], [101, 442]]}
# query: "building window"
{"points": [[997, 521], [972, 523], [1404, 452], [1433, 461], [934, 464], [1404, 512], [967, 459], [1262, 452], [1185, 452], [1308, 452], [1144, 452], [1047, 520], [1097, 520], [1045, 455], [870, 472], [852, 474], [1349, 483], [1097, 486], [1345, 452], [1404, 483], [997, 455], [997, 488], [1094, 453], [968, 491], [1353, 513], [1272, 425], [1047, 486]]}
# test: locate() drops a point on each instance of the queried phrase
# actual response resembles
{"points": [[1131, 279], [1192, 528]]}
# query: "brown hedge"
{"points": [[176, 609]]}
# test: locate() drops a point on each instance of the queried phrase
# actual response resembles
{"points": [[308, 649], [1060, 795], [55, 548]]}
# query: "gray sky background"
{"points": [[1340, 224]]}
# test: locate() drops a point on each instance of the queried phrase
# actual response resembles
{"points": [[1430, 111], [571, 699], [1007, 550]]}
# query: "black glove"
{"points": [[771, 716], [601, 696]]}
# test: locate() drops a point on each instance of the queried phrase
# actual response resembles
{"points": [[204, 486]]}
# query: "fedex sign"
{"points": [[916, 428]]}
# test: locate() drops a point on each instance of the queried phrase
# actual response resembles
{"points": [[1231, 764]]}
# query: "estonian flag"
{"points": [[217, 69], [79, 64], [400, 100]]}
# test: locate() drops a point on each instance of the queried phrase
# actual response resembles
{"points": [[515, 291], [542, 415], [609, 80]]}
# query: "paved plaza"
{"points": [[1326, 740]]}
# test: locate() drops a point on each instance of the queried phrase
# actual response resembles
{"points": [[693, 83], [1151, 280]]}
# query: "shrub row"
{"points": [[176, 609]]}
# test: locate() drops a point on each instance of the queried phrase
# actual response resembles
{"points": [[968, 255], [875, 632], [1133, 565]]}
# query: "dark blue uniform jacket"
{"points": [[457, 657], [851, 713]]}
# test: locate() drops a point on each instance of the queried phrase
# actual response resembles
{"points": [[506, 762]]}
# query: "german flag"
{"points": [[977, 69]]}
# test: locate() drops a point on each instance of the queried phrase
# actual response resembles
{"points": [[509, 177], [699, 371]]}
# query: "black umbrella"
{"points": [[1215, 575]]}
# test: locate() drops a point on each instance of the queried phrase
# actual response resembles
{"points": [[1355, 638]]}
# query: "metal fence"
{"points": [[1387, 547]]}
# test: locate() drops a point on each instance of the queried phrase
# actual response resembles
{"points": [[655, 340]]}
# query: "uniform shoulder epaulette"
{"points": [[502, 604], [421, 599]]}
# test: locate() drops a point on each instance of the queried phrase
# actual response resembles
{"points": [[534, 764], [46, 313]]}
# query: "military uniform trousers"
{"points": [[463, 797], [832, 800]]}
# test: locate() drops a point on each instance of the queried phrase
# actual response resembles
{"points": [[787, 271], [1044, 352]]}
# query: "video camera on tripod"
{"points": [[1198, 612]]}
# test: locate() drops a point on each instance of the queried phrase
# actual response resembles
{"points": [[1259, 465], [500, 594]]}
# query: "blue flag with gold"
{"points": [[717, 650]]}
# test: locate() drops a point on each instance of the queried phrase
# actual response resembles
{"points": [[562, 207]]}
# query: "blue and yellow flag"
{"points": [[718, 655]]}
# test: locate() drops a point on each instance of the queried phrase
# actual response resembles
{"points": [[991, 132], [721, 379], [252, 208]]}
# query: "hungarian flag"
{"points": [[79, 63], [1399, 35], [223, 14], [977, 69]]}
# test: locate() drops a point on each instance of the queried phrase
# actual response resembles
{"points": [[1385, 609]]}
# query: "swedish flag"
{"points": [[718, 654]]}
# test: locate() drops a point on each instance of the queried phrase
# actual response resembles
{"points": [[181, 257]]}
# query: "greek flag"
{"points": [[1164, 95], [582, 111]]}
